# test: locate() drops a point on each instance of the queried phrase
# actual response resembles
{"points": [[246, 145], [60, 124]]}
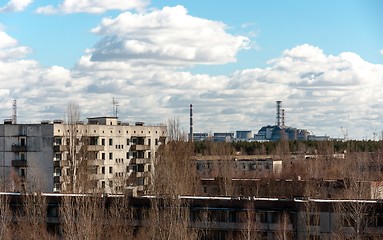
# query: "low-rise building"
{"points": [[245, 166]]}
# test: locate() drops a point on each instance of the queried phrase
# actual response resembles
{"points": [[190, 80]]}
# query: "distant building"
{"points": [[114, 156], [223, 137], [318, 138], [275, 133], [238, 166], [199, 137], [243, 135]]}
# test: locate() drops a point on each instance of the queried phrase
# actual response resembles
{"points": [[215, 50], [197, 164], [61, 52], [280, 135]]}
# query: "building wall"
{"points": [[26, 156]]}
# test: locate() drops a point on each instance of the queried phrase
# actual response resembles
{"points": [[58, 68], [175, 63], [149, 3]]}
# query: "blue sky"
{"points": [[105, 49]]}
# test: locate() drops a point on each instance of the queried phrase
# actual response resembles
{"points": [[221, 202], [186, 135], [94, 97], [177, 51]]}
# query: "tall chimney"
{"points": [[191, 124], [279, 113], [283, 118], [14, 112]]}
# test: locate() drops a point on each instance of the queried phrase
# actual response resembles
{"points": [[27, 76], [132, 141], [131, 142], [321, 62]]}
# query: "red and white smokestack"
{"points": [[279, 113], [191, 124]]}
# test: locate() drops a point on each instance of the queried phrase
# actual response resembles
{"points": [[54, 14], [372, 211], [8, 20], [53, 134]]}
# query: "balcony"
{"points": [[139, 174], [95, 162], [19, 163], [95, 148], [60, 148], [139, 160], [61, 179], [138, 147], [61, 163], [97, 176], [18, 148]]}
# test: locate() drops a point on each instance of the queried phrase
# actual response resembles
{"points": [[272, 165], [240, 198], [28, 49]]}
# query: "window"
{"points": [[110, 142], [57, 172], [111, 184], [57, 141], [127, 141], [110, 169], [149, 141], [156, 141], [103, 141], [102, 170], [141, 167], [102, 184], [58, 157], [110, 156], [103, 156], [23, 172]]}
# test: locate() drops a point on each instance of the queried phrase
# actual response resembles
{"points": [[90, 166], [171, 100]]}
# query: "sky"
{"points": [[231, 59]]}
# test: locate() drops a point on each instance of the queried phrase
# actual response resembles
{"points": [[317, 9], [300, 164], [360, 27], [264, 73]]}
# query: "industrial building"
{"points": [[280, 131], [102, 155]]}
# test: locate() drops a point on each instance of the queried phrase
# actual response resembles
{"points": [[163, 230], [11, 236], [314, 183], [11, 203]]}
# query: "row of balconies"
{"points": [[90, 148], [96, 162]]}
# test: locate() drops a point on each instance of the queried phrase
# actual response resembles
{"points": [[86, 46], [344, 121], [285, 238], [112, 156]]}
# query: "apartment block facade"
{"points": [[102, 155]]}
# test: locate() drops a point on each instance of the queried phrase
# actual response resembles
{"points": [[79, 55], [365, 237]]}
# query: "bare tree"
{"points": [[169, 219], [32, 218], [119, 219], [174, 175], [5, 218], [174, 130], [77, 142], [82, 217], [250, 225]]}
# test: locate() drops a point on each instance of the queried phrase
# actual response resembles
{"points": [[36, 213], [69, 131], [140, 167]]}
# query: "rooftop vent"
{"points": [[140, 123], [8, 121]]}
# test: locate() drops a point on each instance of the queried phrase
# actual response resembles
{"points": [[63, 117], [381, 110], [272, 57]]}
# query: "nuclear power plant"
{"points": [[279, 131], [276, 132]]}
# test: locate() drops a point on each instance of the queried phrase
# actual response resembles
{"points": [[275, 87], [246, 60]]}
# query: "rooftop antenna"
{"points": [[14, 112], [115, 108]]}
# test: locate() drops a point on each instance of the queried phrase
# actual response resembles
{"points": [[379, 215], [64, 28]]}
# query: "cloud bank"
{"points": [[166, 37], [138, 63]]}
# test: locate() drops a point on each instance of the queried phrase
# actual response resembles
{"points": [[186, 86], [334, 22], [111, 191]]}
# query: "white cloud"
{"points": [[49, 9], [166, 37], [381, 51], [15, 6], [93, 6], [320, 92], [9, 48]]}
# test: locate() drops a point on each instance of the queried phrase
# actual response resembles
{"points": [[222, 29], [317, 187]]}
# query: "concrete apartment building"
{"points": [[105, 154]]}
